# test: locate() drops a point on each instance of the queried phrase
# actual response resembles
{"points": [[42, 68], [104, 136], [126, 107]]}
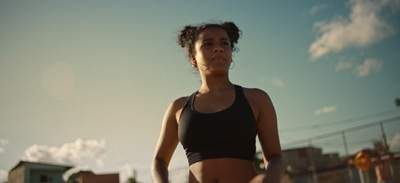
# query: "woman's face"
{"points": [[213, 50]]}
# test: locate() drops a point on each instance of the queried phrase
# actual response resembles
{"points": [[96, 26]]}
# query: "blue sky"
{"points": [[86, 83]]}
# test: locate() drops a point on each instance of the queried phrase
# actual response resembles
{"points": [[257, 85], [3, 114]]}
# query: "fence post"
{"points": [[311, 154], [361, 173], [347, 155], [387, 148]]}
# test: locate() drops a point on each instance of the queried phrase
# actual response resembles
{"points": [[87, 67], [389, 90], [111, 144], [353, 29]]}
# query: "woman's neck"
{"points": [[210, 84]]}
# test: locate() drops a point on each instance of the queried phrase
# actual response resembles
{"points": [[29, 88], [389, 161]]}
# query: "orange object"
{"points": [[362, 160]]}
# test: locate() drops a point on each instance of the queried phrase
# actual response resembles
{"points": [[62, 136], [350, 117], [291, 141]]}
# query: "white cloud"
{"points": [[278, 82], [363, 27], [343, 66], [126, 172], [325, 110], [317, 8], [395, 143], [3, 142], [3, 176], [369, 65], [70, 153]]}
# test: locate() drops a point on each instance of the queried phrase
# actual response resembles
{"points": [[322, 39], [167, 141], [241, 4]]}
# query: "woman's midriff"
{"points": [[222, 170]]}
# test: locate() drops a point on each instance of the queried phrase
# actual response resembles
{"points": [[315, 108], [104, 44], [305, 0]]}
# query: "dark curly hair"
{"points": [[189, 34]]}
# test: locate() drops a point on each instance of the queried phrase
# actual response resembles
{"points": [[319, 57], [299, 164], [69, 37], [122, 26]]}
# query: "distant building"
{"points": [[100, 178], [33, 172], [332, 159], [303, 159], [308, 164]]}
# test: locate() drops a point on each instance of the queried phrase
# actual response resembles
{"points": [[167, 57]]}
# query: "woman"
{"points": [[217, 125]]}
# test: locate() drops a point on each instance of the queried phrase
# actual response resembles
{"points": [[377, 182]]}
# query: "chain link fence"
{"points": [[335, 149]]}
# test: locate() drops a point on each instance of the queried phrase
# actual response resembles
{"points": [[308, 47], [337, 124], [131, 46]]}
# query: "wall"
{"points": [[17, 175], [105, 178]]}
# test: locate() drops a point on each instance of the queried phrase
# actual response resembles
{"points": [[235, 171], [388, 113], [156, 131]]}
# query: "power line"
{"points": [[342, 131], [335, 143], [337, 122]]}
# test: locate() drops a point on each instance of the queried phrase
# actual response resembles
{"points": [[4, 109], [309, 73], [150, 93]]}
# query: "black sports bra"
{"points": [[229, 133]]}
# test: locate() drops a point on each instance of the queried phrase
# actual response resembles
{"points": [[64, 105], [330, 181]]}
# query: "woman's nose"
{"points": [[218, 49]]}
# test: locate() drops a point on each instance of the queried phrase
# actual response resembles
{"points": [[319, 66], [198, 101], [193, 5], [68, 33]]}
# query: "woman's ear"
{"points": [[193, 60]]}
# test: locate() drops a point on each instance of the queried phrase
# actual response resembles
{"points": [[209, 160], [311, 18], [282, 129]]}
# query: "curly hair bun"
{"points": [[188, 35], [232, 30]]}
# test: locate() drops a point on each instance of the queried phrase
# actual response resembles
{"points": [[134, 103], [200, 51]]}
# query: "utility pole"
{"points": [[135, 174], [384, 137]]}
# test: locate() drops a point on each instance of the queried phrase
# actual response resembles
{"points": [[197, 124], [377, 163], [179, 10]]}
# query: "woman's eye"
{"points": [[226, 43], [207, 44]]}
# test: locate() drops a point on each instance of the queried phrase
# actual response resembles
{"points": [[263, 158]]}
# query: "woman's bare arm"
{"points": [[267, 130], [167, 142]]}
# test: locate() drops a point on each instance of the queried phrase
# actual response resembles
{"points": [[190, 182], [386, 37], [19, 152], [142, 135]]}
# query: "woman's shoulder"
{"points": [[259, 100], [257, 97], [255, 93], [175, 108], [179, 103]]}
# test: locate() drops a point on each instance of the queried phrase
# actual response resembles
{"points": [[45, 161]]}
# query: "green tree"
{"points": [[74, 178], [378, 144], [259, 161], [131, 180]]}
